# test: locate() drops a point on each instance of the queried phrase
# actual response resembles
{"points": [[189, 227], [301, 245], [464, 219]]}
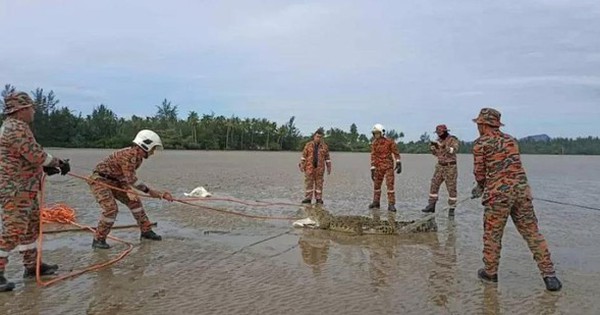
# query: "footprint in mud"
{"points": [[160, 293], [215, 232]]}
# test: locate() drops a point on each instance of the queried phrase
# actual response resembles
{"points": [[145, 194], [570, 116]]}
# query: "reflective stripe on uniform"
{"points": [[48, 160], [3, 254], [25, 247], [136, 210], [107, 220]]}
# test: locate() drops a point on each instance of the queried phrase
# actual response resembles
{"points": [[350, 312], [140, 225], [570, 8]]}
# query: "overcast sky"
{"points": [[406, 65]]}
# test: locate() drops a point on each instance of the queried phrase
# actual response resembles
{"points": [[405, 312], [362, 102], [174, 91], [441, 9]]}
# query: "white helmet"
{"points": [[378, 128], [147, 139]]}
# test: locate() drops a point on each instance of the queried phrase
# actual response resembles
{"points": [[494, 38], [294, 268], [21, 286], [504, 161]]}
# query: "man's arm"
{"points": [[327, 158], [479, 162]]}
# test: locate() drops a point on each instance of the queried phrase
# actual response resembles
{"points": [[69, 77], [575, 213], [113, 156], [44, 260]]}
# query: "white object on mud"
{"points": [[308, 222], [198, 192]]}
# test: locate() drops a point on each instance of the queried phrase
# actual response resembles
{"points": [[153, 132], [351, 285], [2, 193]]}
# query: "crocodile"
{"points": [[359, 225]]}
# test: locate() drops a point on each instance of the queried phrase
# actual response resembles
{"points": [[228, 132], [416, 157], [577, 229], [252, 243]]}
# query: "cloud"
{"points": [[408, 65], [587, 81]]}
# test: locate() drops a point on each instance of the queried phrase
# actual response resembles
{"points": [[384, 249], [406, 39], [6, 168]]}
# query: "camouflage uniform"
{"points": [[499, 171], [315, 157], [384, 155], [118, 170], [445, 170], [22, 161]]}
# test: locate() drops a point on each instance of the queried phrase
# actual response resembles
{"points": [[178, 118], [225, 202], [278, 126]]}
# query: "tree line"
{"points": [[59, 126]]}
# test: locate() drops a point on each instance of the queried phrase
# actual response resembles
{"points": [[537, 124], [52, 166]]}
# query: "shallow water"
{"points": [[211, 263]]}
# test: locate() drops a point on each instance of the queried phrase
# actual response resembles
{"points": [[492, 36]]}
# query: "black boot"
{"points": [[151, 236], [451, 211], [374, 204], [5, 285], [319, 201], [45, 270], [430, 208], [100, 244], [486, 277], [307, 200], [552, 283], [391, 207]]}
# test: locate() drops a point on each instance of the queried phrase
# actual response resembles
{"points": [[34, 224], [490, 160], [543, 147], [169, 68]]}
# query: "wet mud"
{"points": [[213, 263]]}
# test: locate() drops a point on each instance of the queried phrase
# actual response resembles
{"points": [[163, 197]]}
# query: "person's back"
{"points": [[113, 166], [17, 171], [500, 175], [503, 171]]}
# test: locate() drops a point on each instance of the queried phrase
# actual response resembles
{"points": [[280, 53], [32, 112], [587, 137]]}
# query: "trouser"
{"points": [[520, 209], [20, 228], [107, 198], [448, 174], [313, 183], [388, 174]]}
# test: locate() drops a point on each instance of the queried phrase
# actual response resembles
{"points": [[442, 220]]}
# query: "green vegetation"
{"points": [[57, 126]]}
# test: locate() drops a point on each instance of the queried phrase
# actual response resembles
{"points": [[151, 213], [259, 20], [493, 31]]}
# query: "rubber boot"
{"points": [[307, 200], [100, 244], [5, 285], [151, 236], [430, 208], [391, 207], [374, 204], [451, 211], [45, 270], [486, 277], [552, 283]]}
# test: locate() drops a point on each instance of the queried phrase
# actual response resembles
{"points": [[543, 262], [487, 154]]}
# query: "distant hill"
{"points": [[540, 138]]}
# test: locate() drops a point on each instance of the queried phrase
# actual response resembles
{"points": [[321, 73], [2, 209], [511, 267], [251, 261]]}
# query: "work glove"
{"points": [[64, 166], [301, 166], [476, 192], [155, 193], [132, 196], [398, 167], [373, 174], [167, 196], [51, 170]]}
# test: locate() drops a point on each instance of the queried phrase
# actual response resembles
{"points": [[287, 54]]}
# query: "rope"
{"points": [[64, 214], [567, 204], [234, 200], [188, 201]]}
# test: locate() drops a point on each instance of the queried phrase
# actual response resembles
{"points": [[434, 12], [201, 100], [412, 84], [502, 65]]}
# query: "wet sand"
{"points": [[210, 263]]}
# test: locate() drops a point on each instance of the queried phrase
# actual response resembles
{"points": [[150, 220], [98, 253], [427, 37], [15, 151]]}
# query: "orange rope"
{"points": [[188, 201], [64, 214], [59, 213], [257, 204]]}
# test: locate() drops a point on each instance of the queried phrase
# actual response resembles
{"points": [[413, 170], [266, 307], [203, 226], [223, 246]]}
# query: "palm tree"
{"points": [[193, 119]]}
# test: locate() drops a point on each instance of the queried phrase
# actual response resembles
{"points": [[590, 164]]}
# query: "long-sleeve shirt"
{"points": [[446, 150], [315, 156], [384, 153], [22, 158], [497, 164]]}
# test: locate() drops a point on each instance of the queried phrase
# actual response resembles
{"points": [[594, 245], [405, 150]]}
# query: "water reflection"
{"points": [[442, 282], [314, 249], [382, 251], [109, 281]]}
